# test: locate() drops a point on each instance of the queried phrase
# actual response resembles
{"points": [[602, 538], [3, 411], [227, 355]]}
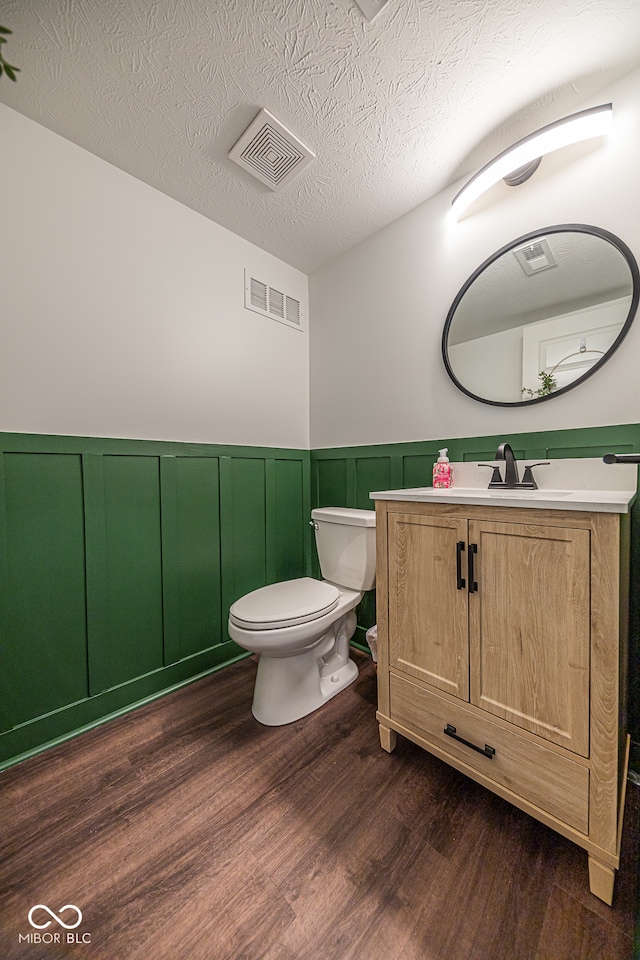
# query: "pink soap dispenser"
{"points": [[443, 471]]}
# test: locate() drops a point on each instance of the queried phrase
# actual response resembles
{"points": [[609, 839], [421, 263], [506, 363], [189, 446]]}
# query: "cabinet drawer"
{"points": [[554, 783]]}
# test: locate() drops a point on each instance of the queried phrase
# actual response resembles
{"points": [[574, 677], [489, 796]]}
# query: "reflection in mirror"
{"points": [[541, 315]]}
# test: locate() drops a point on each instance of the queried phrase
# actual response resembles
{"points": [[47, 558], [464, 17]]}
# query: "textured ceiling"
{"points": [[395, 109]]}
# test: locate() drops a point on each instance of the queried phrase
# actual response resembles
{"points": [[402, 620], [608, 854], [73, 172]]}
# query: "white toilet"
{"points": [[301, 628]]}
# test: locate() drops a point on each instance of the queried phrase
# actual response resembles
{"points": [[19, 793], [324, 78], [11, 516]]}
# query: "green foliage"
{"points": [[4, 66], [548, 382]]}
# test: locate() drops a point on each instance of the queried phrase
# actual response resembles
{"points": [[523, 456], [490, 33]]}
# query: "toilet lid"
{"points": [[285, 604]]}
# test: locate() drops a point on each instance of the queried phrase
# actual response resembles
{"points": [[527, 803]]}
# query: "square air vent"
{"points": [[371, 8], [535, 257], [270, 152], [271, 302]]}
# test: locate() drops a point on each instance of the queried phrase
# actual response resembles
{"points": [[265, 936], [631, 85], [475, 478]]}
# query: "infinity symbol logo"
{"points": [[47, 923]]}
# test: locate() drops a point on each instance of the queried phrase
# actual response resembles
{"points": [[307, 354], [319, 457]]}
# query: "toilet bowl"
{"points": [[301, 628]]}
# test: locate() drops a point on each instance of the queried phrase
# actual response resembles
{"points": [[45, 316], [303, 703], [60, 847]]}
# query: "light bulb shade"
{"points": [[593, 122]]}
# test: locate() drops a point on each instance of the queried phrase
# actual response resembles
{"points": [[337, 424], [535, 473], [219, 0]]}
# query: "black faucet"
{"points": [[511, 482], [504, 452]]}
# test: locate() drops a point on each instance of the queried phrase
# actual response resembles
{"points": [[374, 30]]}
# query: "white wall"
{"points": [[378, 311], [122, 311], [491, 366]]}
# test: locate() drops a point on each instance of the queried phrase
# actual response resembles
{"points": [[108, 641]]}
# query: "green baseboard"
{"points": [[44, 732]]}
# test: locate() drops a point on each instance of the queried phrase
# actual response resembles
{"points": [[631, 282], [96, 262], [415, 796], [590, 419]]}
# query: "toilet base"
{"points": [[289, 688]]}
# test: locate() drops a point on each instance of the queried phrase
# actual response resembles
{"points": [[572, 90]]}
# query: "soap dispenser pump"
{"points": [[443, 471]]}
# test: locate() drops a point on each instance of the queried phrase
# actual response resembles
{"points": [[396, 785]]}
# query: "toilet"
{"points": [[301, 628]]}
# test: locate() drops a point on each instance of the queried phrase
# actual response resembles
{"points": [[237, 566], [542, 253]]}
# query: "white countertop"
{"points": [[580, 484]]}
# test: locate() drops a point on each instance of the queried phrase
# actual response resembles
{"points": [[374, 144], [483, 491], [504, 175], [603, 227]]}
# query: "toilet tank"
{"points": [[346, 542]]}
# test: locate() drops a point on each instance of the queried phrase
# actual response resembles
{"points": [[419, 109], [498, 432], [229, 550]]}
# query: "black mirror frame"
{"points": [[558, 228]]}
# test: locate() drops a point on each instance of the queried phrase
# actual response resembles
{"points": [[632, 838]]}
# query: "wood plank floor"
{"points": [[187, 831]]}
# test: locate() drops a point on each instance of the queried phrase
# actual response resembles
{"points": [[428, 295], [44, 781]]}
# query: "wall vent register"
{"points": [[271, 302]]}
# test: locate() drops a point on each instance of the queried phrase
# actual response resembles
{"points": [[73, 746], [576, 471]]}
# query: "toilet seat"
{"points": [[285, 604]]}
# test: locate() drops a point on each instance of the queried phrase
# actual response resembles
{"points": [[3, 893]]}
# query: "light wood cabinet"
{"points": [[501, 649]]}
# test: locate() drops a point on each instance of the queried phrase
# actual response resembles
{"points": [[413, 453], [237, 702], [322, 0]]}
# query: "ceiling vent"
{"points": [[270, 302], [371, 8], [270, 152], [535, 257]]}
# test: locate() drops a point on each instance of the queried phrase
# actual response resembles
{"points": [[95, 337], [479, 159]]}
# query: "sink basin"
{"points": [[497, 494], [536, 494]]}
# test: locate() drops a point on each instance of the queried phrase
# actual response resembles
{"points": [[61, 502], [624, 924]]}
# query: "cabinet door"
{"points": [[530, 629], [428, 613]]}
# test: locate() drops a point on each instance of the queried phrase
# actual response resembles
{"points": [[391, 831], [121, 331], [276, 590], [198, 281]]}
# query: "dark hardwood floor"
{"points": [[187, 831]]}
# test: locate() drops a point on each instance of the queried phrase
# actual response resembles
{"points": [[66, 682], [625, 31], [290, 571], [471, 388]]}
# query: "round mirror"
{"points": [[541, 315]]}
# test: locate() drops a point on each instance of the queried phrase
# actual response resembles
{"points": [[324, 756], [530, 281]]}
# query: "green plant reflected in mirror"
{"points": [[541, 315]]}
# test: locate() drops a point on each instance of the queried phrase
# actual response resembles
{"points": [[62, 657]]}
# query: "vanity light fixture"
{"points": [[518, 162]]}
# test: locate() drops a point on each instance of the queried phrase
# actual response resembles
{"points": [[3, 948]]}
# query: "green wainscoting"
{"points": [[43, 601], [118, 563], [344, 476], [119, 559]]}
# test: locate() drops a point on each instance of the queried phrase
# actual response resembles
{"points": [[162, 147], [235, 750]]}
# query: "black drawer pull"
{"points": [[487, 752], [460, 545], [473, 549]]}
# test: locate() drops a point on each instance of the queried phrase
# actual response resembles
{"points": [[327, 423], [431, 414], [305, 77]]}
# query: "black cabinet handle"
{"points": [[473, 549], [460, 545], [487, 752]]}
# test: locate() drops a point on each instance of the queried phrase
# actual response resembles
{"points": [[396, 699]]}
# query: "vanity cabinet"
{"points": [[501, 645]]}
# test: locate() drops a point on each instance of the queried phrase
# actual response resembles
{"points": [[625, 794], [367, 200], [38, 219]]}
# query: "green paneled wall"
{"points": [[191, 556], [119, 559], [346, 475], [289, 533], [244, 527], [44, 662], [132, 599], [118, 563]]}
